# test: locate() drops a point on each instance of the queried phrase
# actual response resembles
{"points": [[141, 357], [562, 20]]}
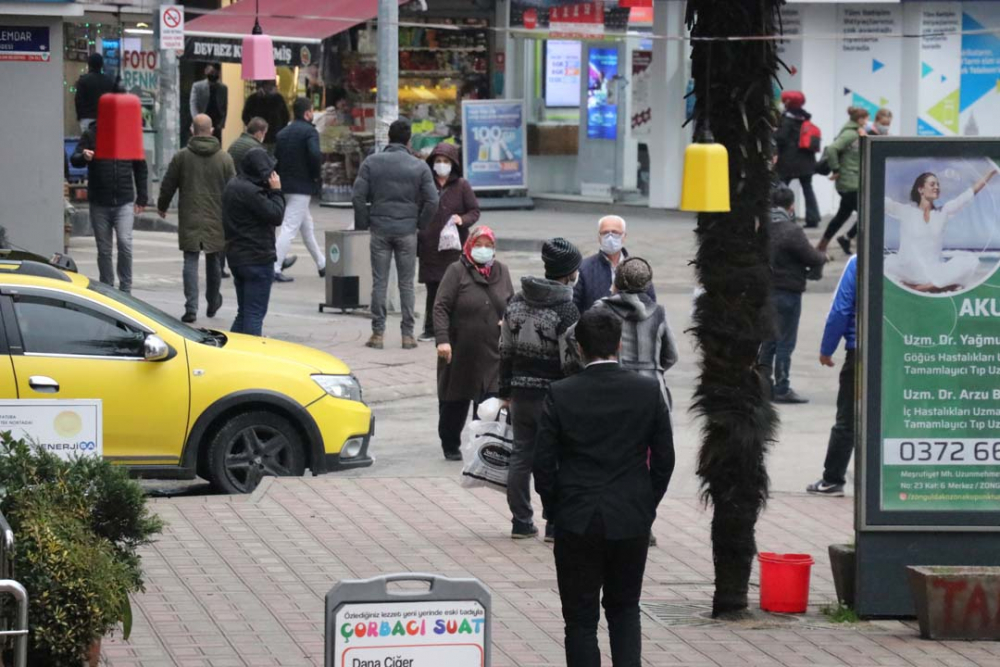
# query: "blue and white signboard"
{"points": [[494, 155], [26, 43]]}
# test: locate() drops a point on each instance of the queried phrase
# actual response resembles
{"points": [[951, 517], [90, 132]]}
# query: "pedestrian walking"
{"points": [[793, 261], [200, 172], [457, 204], [597, 431], [267, 103], [841, 323], [299, 164], [252, 208], [252, 137], [118, 190], [533, 328], [844, 158], [394, 197], [470, 304], [211, 97], [796, 162], [597, 272], [89, 89]]}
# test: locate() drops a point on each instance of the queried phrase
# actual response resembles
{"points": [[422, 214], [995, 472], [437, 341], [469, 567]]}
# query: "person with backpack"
{"points": [[844, 158], [797, 141]]}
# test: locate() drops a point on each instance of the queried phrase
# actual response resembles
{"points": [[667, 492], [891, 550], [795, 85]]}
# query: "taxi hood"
{"points": [[316, 360]]}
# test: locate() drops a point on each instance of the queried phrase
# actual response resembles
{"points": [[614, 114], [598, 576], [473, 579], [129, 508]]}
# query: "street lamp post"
{"points": [[387, 84]]}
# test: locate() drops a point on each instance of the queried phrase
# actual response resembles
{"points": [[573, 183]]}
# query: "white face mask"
{"points": [[611, 243], [481, 254], [442, 169]]}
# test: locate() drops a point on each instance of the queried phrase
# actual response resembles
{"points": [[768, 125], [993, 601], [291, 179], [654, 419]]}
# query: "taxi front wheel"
{"points": [[251, 446]]}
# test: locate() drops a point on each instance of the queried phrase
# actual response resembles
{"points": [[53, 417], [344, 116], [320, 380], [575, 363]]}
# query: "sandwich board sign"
{"points": [[368, 625]]}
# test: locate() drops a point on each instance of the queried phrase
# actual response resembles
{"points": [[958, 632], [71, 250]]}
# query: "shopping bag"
{"points": [[449, 238], [486, 448]]}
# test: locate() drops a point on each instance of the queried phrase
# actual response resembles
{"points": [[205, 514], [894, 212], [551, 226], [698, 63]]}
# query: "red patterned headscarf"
{"points": [[474, 235]]}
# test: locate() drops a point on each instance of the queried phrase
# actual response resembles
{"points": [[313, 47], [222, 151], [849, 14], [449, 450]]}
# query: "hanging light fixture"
{"points": [[706, 165], [258, 53], [119, 119]]}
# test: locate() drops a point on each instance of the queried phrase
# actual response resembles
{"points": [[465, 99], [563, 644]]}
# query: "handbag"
{"points": [[486, 448]]}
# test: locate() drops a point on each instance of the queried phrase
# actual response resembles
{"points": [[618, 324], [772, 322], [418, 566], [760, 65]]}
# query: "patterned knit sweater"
{"points": [[536, 319]]}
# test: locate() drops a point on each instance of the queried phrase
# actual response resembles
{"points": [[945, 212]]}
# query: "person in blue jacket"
{"points": [[597, 273], [840, 323]]}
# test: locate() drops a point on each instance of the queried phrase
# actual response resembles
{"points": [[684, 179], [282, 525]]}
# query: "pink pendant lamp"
{"points": [[119, 122], [258, 54]]}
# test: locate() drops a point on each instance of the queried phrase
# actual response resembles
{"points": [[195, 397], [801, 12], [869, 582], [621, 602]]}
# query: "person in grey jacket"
{"points": [[394, 197], [211, 97], [793, 260]]}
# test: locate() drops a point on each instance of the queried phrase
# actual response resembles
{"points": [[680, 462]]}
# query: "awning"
{"points": [[285, 20]]}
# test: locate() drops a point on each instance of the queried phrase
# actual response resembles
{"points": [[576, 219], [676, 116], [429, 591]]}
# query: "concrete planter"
{"points": [[843, 563], [956, 602]]}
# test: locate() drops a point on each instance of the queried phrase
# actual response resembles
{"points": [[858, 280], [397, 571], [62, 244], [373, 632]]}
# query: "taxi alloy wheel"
{"points": [[252, 446]]}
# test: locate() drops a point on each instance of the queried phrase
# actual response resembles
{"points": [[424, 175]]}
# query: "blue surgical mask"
{"points": [[611, 243], [482, 255]]}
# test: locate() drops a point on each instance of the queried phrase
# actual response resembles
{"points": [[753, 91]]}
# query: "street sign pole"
{"points": [[387, 84]]}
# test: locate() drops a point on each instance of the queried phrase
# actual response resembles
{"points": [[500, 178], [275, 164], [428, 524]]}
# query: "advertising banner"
{"points": [[223, 49], [602, 107], [141, 77], [24, 43], [940, 69], [979, 99], [642, 94], [494, 142], [869, 67], [562, 73], [68, 429], [932, 328]]}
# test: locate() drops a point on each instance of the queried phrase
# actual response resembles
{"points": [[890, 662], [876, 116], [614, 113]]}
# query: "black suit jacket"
{"points": [[593, 438]]}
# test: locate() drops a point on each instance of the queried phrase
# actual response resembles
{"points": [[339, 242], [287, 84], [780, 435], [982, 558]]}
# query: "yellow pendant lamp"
{"points": [[706, 167]]}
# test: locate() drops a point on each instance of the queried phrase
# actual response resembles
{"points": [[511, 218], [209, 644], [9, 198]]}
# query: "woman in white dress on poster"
{"points": [[920, 264]]}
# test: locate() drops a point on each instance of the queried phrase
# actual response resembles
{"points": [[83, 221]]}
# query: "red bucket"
{"points": [[784, 582]]}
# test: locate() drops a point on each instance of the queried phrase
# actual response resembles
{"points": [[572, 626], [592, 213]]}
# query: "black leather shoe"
{"points": [[214, 307], [453, 456], [188, 318]]}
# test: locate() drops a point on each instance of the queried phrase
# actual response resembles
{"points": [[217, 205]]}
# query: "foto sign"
{"points": [[367, 625], [68, 429], [171, 27]]}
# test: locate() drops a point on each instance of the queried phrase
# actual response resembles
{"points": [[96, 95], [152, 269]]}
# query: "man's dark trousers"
{"points": [[841, 445], [585, 564], [253, 293], [777, 354]]}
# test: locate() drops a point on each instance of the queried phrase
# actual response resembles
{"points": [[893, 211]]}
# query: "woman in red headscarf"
{"points": [[470, 304]]}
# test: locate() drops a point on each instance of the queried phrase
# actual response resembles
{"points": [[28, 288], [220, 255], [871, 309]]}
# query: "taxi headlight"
{"points": [[346, 387]]}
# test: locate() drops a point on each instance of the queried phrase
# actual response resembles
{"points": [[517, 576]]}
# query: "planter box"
{"points": [[843, 563], [956, 602]]}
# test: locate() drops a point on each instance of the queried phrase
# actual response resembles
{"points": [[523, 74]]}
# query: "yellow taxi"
{"points": [[177, 401]]}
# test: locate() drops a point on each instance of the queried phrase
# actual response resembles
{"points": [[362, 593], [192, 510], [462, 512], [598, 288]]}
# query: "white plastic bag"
{"points": [[486, 449], [449, 238]]}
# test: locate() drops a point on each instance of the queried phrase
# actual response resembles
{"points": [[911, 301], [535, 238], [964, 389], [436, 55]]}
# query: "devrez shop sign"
{"points": [[220, 49]]}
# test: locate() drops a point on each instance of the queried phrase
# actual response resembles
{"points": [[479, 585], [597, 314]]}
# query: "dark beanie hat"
{"points": [[561, 258], [633, 276]]}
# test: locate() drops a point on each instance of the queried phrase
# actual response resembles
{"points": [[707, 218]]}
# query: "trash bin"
{"points": [[348, 270]]}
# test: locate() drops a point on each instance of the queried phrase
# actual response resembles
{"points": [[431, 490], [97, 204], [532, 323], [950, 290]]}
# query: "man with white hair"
{"points": [[597, 273]]}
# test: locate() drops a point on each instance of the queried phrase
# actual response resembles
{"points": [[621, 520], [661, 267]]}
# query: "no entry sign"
{"points": [[367, 625], [172, 27]]}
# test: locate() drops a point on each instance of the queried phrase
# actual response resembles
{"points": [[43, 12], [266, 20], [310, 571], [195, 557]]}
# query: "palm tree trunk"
{"points": [[732, 315]]}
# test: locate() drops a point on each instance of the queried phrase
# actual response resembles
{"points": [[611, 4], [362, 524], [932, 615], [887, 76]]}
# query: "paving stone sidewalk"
{"points": [[241, 580]]}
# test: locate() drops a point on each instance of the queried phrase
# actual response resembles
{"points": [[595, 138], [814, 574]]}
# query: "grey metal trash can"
{"points": [[348, 270]]}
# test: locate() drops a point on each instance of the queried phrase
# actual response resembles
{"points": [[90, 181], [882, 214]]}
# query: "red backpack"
{"points": [[810, 137]]}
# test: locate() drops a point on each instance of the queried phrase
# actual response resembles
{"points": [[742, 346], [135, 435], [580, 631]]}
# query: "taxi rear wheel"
{"points": [[251, 446]]}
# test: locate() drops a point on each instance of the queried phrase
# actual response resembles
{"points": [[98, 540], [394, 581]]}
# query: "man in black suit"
{"points": [[597, 432]]}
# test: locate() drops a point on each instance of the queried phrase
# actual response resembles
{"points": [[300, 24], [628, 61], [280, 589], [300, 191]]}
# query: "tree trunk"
{"points": [[733, 85]]}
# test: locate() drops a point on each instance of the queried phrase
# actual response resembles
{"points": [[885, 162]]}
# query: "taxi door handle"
{"points": [[43, 384]]}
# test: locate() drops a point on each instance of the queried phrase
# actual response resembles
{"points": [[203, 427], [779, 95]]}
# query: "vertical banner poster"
{"points": [[642, 94], [790, 50], [979, 100], [562, 73], [141, 77], [602, 107], [940, 69], [494, 152], [869, 67], [931, 325]]}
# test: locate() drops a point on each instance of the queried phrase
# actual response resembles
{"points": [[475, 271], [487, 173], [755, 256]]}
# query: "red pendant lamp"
{"points": [[258, 53], [119, 120]]}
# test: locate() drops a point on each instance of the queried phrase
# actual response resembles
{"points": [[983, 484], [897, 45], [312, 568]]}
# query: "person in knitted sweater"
{"points": [[535, 322]]}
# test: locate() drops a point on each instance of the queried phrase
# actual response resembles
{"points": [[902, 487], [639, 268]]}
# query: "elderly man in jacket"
{"points": [[597, 273], [118, 191], [394, 196], [200, 172], [299, 164], [793, 260]]}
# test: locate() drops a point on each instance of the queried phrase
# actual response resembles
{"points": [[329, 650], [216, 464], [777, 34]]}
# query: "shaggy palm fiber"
{"points": [[733, 84]]}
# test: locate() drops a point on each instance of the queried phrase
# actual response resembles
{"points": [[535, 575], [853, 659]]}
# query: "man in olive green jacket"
{"points": [[252, 138], [200, 172]]}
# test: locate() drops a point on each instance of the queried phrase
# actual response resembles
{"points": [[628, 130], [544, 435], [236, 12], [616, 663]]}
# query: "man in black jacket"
{"points": [[89, 89], [299, 163], [269, 104], [252, 206], [793, 161], [793, 260], [597, 432], [114, 203]]}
